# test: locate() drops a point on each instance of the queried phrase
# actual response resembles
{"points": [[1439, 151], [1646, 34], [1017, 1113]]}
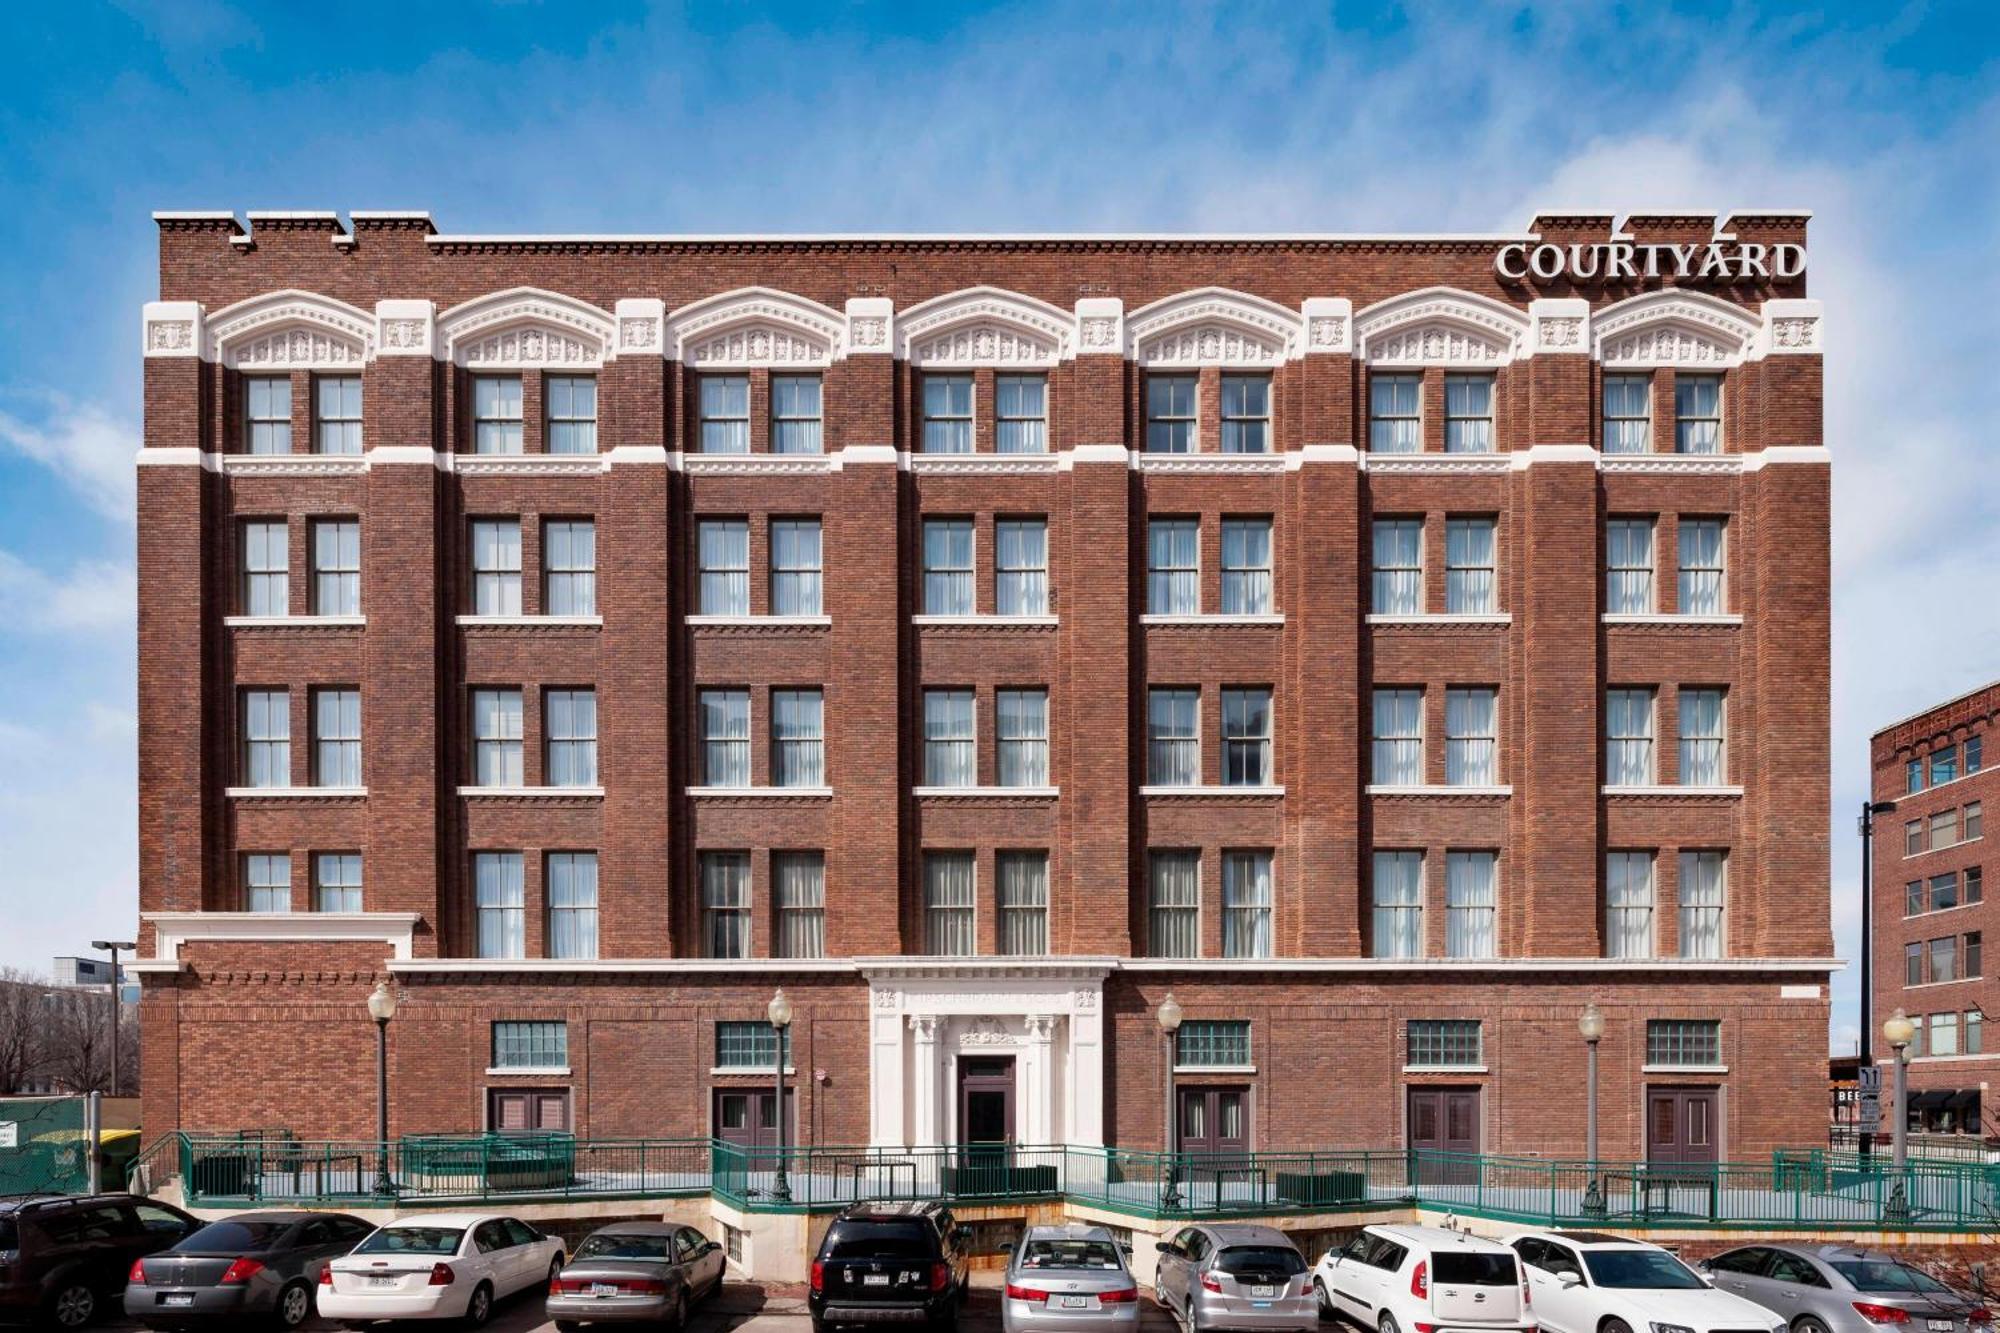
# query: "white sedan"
{"points": [[1591, 1282], [437, 1266]]}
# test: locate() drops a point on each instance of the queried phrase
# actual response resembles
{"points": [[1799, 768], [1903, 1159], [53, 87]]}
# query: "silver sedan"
{"points": [[1069, 1280], [1846, 1289]]}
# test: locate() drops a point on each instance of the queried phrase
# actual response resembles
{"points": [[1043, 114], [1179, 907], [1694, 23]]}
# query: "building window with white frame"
{"points": [[1628, 737], [798, 885], [725, 903], [530, 1045], [1173, 928], [948, 574], [1471, 904], [751, 1047], [1398, 909], [1171, 414], [1023, 898], [725, 737], [1173, 566], [1021, 566], [1022, 737], [1942, 1034], [337, 882], [1700, 586], [337, 737], [1628, 558], [336, 559], [1472, 737], [1628, 904], [1471, 583], [1212, 1043], [572, 881], [501, 903], [1704, 755], [796, 570], [267, 738], [1246, 737], [1685, 1043], [947, 414], [496, 414], [1468, 414], [723, 405], [1021, 414], [1246, 414], [496, 739], [1246, 567], [267, 882], [572, 738], [950, 916], [722, 552], [950, 744], [1698, 414], [1173, 737], [1246, 904], [267, 414], [337, 424], [572, 414], [1399, 566], [795, 415], [1704, 883], [569, 567], [1444, 1043], [798, 738], [1398, 740], [266, 568], [496, 567], [1628, 414], [1395, 417]]}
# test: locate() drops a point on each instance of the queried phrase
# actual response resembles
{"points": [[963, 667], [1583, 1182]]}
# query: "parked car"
{"points": [[1234, 1276], [1402, 1279], [263, 1264], [1591, 1282], [61, 1257], [437, 1266], [889, 1263], [1068, 1279], [1845, 1289], [648, 1271]]}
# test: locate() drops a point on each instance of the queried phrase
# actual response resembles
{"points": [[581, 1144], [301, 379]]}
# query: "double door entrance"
{"points": [[1681, 1127]]}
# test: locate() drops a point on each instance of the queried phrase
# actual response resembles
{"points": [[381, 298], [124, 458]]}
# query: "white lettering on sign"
{"points": [[10, 1134], [1627, 261]]}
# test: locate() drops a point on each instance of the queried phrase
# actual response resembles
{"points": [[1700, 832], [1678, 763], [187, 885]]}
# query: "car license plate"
{"points": [[874, 1279], [604, 1288], [1263, 1291], [178, 1298], [1940, 1325], [1076, 1302], [381, 1279]]}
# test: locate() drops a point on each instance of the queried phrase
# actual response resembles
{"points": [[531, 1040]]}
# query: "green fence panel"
{"points": [[42, 1146]]}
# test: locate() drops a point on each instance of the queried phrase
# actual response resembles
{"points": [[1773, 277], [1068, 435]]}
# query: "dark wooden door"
{"points": [[1680, 1127], [1444, 1121], [1213, 1121], [528, 1110], [747, 1117], [986, 1100]]}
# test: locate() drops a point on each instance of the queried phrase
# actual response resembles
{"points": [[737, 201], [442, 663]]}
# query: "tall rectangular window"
{"points": [[1684, 1043], [1399, 566], [1975, 820], [798, 738], [725, 737], [1021, 414], [725, 903], [1173, 566], [337, 882], [1246, 738], [722, 553], [267, 414], [1942, 1035], [1246, 904], [1470, 582], [336, 557], [1471, 904], [1974, 752], [1173, 927], [1944, 829], [1703, 882], [1628, 738], [267, 882], [1972, 954], [572, 881], [538, 1045], [948, 589], [1628, 904], [795, 415], [1472, 737], [798, 883], [569, 567], [950, 921], [496, 567], [1246, 414], [337, 424], [1628, 414], [1246, 567], [1445, 1043], [267, 738], [1698, 414], [1398, 745], [496, 739], [500, 899], [1468, 414], [947, 414], [337, 738], [1700, 588], [1395, 421], [572, 738], [723, 402], [950, 757], [796, 571], [1913, 964], [1704, 756], [1024, 901], [1628, 585], [1022, 735], [1021, 566], [1173, 737], [1170, 414], [266, 568], [1913, 776], [1944, 765], [496, 414], [1398, 905], [572, 412]]}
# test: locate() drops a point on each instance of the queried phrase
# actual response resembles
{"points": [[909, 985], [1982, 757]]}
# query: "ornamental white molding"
{"points": [[291, 465], [395, 930], [290, 330], [1213, 326], [1685, 330], [985, 326], [981, 465], [642, 327], [1791, 328], [1209, 464], [526, 465], [1561, 325], [1329, 324], [1441, 326], [170, 328], [526, 328], [757, 326], [405, 328]]}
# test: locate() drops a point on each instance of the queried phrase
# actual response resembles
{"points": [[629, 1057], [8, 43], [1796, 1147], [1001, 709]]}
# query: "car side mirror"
{"points": [[1164, 1246], [1569, 1280]]}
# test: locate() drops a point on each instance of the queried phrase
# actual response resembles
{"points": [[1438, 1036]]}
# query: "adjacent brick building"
{"points": [[1386, 645]]}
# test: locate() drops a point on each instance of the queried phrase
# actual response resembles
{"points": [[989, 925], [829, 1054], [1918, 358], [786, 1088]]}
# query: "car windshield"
{"points": [[1069, 1254], [622, 1245], [232, 1237], [880, 1240], [1260, 1259], [412, 1240], [1887, 1275], [1642, 1270], [1475, 1270]]}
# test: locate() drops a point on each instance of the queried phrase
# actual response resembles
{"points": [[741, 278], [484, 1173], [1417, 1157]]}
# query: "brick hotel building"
{"points": [[1386, 645]]}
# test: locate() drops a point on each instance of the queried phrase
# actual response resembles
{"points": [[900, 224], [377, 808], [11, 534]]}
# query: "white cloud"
{"points": [[90, 598], [89, 448]]}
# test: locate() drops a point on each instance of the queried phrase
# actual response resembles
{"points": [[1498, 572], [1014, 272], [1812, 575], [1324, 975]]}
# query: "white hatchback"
{"points": [[1412, 1279], [1593, 1282], [437, 1266]]}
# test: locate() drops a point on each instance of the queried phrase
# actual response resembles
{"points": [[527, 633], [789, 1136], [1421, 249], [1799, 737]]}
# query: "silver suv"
{"points": [[1234, 1276]]}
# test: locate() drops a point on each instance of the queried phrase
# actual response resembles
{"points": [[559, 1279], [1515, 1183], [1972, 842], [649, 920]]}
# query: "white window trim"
{"points": [[781, 792], [985, 792], [1666, 618], [530, 620], [1181, 1068], [1447, 1069], [1214, 791], [278, 622], [758, 620], [1442, 618], [1218, 618], [532, 1071], [1670, 790], [529, 793], [1437, 789], [292, 793], [1684, 1069], [765, 1070], [978, 619]]}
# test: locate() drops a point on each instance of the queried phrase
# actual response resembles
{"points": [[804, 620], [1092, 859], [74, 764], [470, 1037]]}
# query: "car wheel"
{"points": [[1805, 1323], [479, 1308], [72, 1305], [1387, 1324], [679, 1318], [1614, 1325], [1325, 1301], [295, 1305], [1192, 1326], [568, 1325]]}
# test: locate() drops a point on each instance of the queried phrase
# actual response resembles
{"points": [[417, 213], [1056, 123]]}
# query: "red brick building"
{"points": [[1385, 645]]}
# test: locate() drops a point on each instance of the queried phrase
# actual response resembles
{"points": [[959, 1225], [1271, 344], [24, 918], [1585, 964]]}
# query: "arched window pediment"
{"points": [[756, 326], [1685, 329], [1213, 326], [985, 326], [525, 328], [291, 330], [1440, 326]]}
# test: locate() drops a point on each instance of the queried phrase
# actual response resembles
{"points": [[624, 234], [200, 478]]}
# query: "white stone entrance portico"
{"points": [[925, 1016]]}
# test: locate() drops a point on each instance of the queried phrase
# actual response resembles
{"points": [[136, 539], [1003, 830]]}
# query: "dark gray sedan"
{"points": [[650, 1272], [1846, 1289], [261, 1265]]}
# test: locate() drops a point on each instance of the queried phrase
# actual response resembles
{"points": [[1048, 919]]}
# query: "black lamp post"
{"points": [[117, 1001], [780, 1014], [382, 1008], [1590, 1024], [1869, 809], [1169, 1016], [1899, 1031]]}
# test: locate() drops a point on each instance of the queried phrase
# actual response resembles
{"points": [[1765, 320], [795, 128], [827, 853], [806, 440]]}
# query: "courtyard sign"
{"points": [[1628, 261]]}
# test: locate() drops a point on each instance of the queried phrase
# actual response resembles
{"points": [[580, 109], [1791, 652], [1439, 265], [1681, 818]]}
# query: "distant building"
{"points": [[81, 972]]}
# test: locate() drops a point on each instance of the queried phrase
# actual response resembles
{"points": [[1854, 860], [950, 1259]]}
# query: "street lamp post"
{"points": [[382, 1008], [780, 1014], [1590, 1024], [113, 946], [1864, 1137], [1899, 1031], [1169, 1015]]}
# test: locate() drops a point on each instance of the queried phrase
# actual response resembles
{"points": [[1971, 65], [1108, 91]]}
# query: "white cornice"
{"points": [[174, 929], [1218, 620]]}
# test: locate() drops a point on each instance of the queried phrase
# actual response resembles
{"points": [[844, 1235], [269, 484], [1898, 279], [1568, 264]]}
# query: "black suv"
{"points": [[61, 1257], [890, 1263]]}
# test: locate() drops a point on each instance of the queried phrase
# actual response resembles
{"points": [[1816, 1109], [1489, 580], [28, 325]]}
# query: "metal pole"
{"points": [[1867, 933], [115, 1002], [1172, 1198], [781, 1188], [1898, 1208], [93, 1133], [1593, 1196], [384, 1183]]}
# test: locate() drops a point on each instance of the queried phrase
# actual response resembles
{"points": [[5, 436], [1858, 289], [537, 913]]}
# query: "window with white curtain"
{"points": [[1246, 567], [798, 880], [266, 568], [337, 414], [1174, 911], [1170, 414], [1471, 904], [1246, 414], [725, 903], [950, 745], [1700, 587], [1472, 737], [1021, 414], [1173, 737], [1628, 558], [1246, 904], [1398, 747], [1023, 896], [1704, 757], [1399, 566], [1628, 414], [1628, 737], [1704, 880], [947, 414], [798, 738], [1698, 414], [1395, 421], [572, 738], [796, 569], [337, 882], [572, 413], [1021, 725], [337, 737], [1628, 904], [1399, 905], [1021, 566], [1246, 737], [1173, 566], [1942, 1035], [948, 587], [950, 917], [267, 738], [572, 891], [1468, 414], [496, 414], [722, 555], [795, 414], [500, 900], [724, 717], [723, 402], [496, 739], [267, 882], [267, 414], [1471, 585], [569, 567], [496, 567], [336, 561]]}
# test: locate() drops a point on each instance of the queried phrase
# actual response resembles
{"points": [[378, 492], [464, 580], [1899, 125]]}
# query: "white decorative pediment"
{"points": [[1213, 326], [1683, 329], [1440, 326], [526, 328], [756, 326], [984, 326], [290, 330]]}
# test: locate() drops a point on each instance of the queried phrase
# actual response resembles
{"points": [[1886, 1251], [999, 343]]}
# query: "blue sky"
{"points": [[609, 117]]}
